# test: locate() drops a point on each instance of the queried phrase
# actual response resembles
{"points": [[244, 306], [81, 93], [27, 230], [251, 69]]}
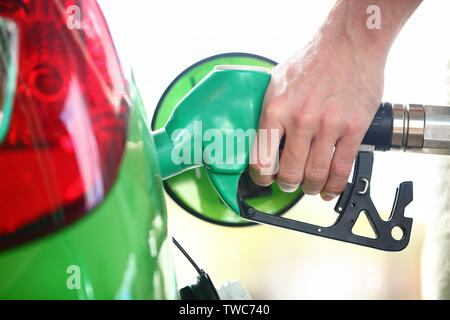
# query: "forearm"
{"points": [[350, 21]]}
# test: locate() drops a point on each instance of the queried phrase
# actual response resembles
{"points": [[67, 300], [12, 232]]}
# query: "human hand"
{"points": [[323, 99]]}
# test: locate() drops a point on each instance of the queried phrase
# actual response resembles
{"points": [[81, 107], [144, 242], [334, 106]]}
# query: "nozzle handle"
{"points": [[354, 201], [379, 133]]}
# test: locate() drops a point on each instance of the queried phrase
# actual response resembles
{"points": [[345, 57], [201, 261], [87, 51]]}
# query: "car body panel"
{"points": [[120, 250]]}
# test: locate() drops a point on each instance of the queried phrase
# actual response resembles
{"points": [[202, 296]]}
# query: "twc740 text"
{"points": [[246, 309]]}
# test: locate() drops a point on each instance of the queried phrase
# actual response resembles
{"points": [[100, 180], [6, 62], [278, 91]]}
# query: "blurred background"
{"points": [[159, 39]]}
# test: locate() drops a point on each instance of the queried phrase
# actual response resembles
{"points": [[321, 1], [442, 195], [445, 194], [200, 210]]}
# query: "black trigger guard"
{"points": [[354, 200]]}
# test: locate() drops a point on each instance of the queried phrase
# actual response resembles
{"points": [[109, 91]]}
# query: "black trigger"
{"points": [[343, 199], [252, 190]]}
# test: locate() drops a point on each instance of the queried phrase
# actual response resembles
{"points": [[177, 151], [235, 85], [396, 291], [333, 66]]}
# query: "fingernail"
{"points": [[260, 180], [287, 187], [263, 183], [327, 196]]}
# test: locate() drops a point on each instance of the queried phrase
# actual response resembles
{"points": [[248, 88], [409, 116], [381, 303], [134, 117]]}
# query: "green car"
{"points": [[83, 214]]}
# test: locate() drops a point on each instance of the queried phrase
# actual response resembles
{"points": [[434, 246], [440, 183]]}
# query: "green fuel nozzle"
{"points": [[214, 125]]}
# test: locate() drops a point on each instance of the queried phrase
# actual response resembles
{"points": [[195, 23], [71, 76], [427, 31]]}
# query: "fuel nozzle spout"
{"points": [[421, 128], [410, 127]]}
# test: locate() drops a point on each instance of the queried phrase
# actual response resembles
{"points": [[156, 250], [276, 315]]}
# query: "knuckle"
{"points": [[316, 175], [270, 111], [303, 120], [329, 122], [338, 179], [290, 177], [354, 126], [340, 171], [335, 188]]}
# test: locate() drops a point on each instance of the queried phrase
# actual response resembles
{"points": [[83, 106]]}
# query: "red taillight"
{"points": [[69, 123]]}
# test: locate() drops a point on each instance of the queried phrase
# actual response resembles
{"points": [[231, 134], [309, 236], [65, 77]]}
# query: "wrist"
{"points": [[369, 32], [346, 25]]}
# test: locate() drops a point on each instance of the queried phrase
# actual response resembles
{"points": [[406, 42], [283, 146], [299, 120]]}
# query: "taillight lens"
{"points": [[70, 116]]}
